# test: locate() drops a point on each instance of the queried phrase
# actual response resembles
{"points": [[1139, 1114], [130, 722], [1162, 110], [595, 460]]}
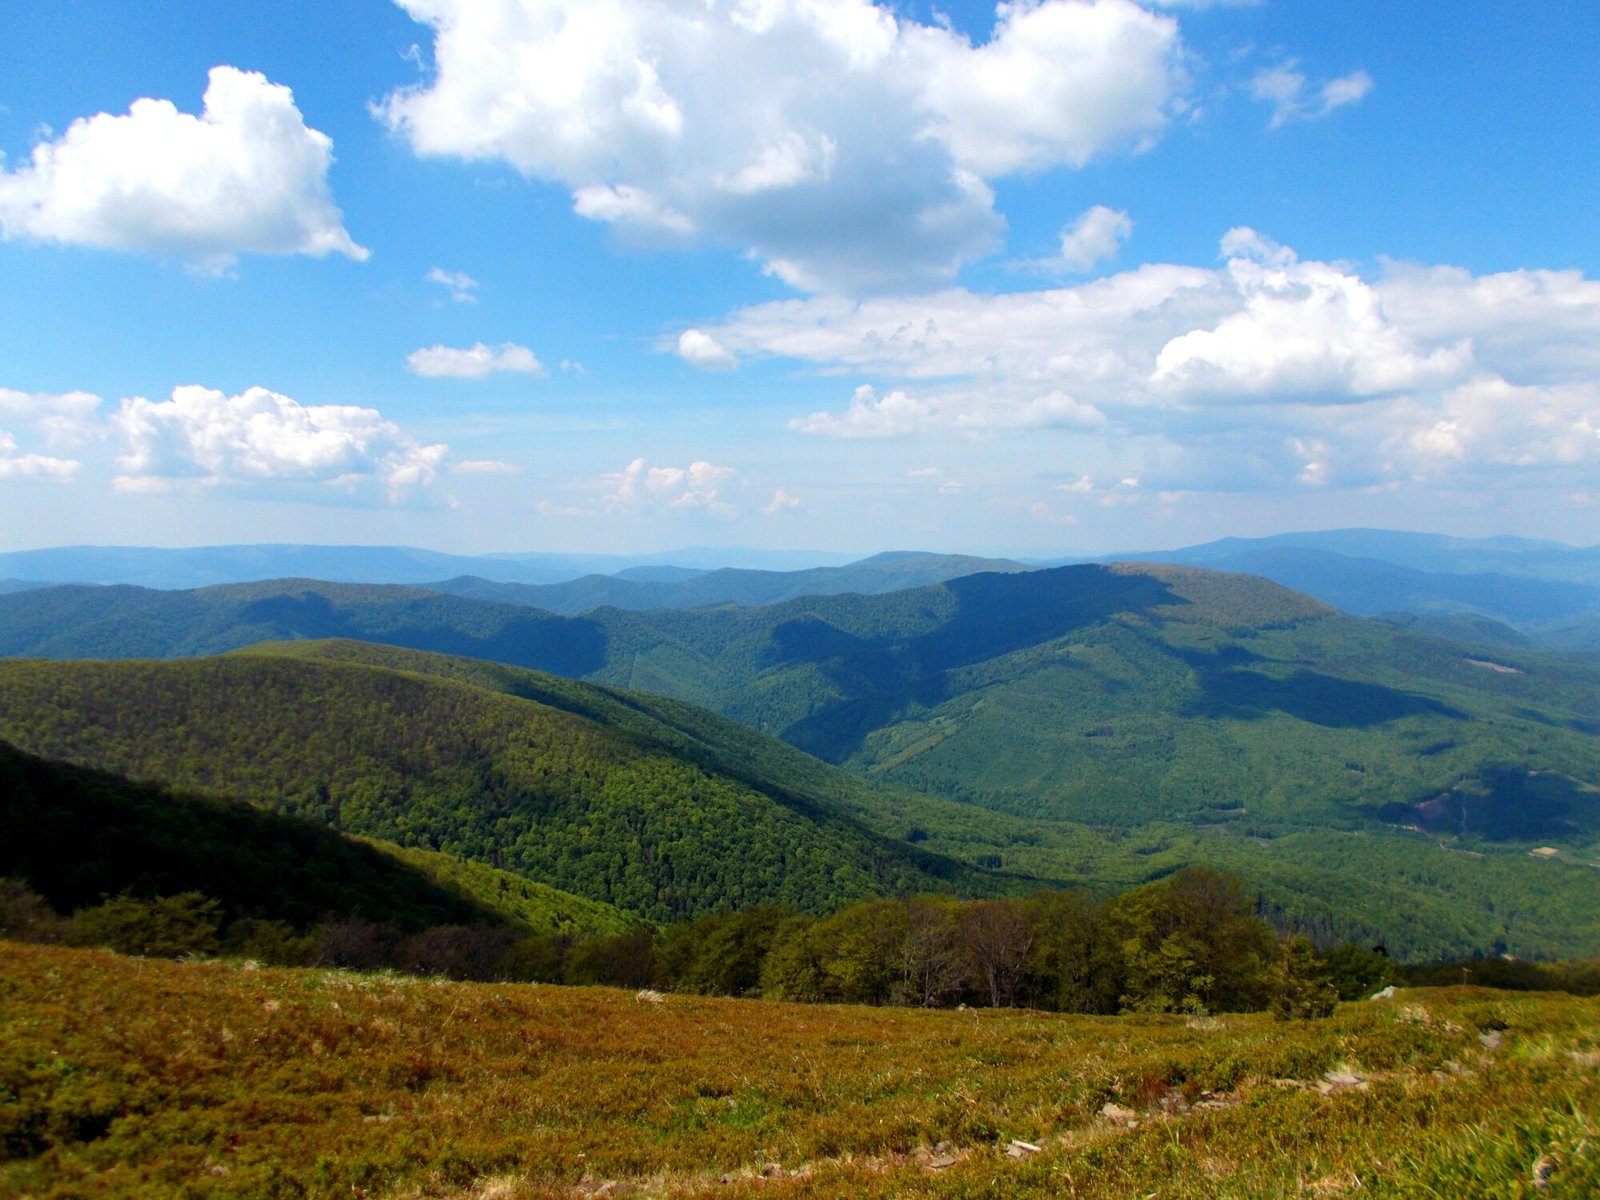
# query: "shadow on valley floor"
{"points": [[1505, 804]]}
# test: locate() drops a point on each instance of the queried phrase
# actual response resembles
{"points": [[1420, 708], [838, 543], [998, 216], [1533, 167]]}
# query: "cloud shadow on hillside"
{"points": [[570, 646], [880, 679], [1237, 692]]}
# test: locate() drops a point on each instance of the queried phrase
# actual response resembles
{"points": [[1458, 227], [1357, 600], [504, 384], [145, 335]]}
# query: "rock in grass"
{"points": [[1340, 1079]]}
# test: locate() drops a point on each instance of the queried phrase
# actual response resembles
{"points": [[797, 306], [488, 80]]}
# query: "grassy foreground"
{"points": [[129, 1077]]}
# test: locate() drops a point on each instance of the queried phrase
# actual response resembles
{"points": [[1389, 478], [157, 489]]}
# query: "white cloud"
{"points": [[870, 416], [639, 487], [1532, 326], [548, 508], [898, 414], [781, 502], [477, 361], [245, 176], [1094, 237], [260, 437], [844, 146], [700, 349], [1265, 372], [1349, 89], [1490, 423], [631, 207], [1284, 88], [54, 420], [485, 466], [62, 419], [1305, 329], [33, 466], [459, 284], [1057, 83]]}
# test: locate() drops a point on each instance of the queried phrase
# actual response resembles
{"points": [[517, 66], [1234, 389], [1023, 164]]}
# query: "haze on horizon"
{"points": [[541, 275]]}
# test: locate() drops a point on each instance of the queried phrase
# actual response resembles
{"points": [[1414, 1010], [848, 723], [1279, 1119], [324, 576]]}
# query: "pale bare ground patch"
{"points": [[1501, 668]]}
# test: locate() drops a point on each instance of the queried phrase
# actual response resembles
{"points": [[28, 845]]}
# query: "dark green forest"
{"points": [[446, 766], [669, 811], [1112, 696]]}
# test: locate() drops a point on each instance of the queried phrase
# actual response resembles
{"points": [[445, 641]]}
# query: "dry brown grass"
{"points": [[121, 1077]]}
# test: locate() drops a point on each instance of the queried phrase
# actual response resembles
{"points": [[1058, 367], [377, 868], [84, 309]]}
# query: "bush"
{"points": [[166, 927], [25, 916]]}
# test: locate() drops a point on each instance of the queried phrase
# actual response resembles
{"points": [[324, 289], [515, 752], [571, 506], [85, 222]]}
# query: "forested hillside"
{"points": [[1110, 695], [611, 813], [358, 736], [78, 837]]}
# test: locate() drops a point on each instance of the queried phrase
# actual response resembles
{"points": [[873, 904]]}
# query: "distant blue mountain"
{"points": [[203, 566], [1536, 587], [655, 587]]}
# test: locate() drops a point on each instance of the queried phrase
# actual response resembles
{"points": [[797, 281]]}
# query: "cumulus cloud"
{"points": [[1305, 329], [477, 361], [1267, 371], [638, 487], [742, 124], [53, 421], [1492, 423], [1284, 88], [459, 284], [781, 502], [1057, 83], [262, 438], [898, 414], [33, 466], [245, 176], [1094, 237], [61, 419], [700, 349]]}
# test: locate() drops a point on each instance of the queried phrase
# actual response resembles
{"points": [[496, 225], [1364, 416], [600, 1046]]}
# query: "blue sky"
{"points": [[1064, 276]]}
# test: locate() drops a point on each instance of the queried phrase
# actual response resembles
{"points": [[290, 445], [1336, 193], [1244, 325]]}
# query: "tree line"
{"points": [[1190, 943]]}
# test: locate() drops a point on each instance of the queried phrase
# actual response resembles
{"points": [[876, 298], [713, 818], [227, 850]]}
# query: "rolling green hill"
{"points": [[77, 836], [1113, 695], [1123, 695], [1093, 725], [182, 722], [605, 808]]}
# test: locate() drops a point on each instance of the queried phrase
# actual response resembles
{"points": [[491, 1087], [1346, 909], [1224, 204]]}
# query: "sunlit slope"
{"points": [[609, 813], [131, 1079]]}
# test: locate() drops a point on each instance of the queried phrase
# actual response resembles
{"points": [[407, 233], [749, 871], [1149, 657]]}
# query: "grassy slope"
{"points": [[126, 1078], [77, 835], [613, 813]]}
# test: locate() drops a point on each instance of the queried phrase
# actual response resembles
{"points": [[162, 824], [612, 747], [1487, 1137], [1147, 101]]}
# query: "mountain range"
{"points": [[1545, 591], [1082, 725]]}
